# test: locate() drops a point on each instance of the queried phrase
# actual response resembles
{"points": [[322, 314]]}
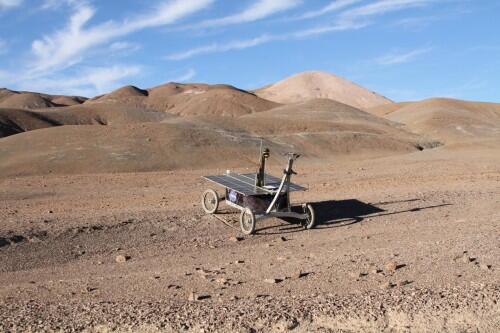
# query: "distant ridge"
{"points": [[315, 84], [448, 120], [31, 100], [194, 99]]}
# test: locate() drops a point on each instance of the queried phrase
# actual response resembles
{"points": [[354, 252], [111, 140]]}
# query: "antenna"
{"points": [[260, 154]]}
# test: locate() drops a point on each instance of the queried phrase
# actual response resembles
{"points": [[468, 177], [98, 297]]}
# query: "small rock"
{"points": [[197, 297], [88, 289], [391, 266], [203, 271], [239, 262], [485, 267], [173, 286], [285, 325], [355, 275], [192, 296], [236, 239], [386, 285], [403, 283], [122, 258], [221, 280], [272, 281], [283, 239], [376, 271], [50, 211], [466, 259], [301, 274]]}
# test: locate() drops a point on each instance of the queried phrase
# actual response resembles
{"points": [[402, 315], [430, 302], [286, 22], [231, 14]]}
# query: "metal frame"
{"points": [[251, 189]]}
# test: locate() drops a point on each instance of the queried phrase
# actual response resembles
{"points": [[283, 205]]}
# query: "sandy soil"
{"points": [[433, 216]]}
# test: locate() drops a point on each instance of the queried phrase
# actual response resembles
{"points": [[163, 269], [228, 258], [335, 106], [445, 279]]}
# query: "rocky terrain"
{"points": [[101, 225]]}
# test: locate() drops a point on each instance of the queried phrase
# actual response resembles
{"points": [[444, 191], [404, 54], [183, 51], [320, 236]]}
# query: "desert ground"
{"points": [[102, 229]]}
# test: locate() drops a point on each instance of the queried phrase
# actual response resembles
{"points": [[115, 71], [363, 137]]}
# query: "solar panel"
{"points": [[275, 181], [245, 183]]}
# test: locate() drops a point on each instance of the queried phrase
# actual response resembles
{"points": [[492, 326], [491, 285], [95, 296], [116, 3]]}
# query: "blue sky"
{"points": [[403, 49]]}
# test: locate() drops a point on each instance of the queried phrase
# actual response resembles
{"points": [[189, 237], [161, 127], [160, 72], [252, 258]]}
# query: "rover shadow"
{"points": [[343, 211], [338, 213]]}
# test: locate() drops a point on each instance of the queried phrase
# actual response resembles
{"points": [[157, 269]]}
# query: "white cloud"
{"points": [[68, 46], [381, 7], [217, 48], [263, 39], [10, 3], [55, 4], [257, 11], [404, 57], [89, 82], [341, 26], [124, 47], [350, 19], [191, 73], [331, 7]]}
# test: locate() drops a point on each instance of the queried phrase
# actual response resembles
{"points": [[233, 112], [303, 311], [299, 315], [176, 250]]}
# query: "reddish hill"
{"points": [[189, 99], [314, 84]]}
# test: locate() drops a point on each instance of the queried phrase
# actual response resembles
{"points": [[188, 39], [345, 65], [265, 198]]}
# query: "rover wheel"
{"points": [[210, 201], [247, 221], [310, 220]]}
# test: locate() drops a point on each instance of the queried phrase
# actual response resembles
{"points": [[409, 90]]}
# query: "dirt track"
{"points": [[434, 214]]}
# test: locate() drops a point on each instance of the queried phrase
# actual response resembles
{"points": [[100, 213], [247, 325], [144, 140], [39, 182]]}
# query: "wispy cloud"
{"points": [[217, 47], [350, 19], [124, 47], [88, 82], [331, 7], [263, 39], [56, 4], [381, 7], [418, 22], [257, 11], [6, 4], [68, 46], [324, 29], [190, 73], [402, 57]]}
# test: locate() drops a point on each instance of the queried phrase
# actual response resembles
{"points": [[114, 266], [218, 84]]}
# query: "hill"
{"points": [[32, 100], [124, 148], [449, 120], [13, 121], [325, 128], [189, 99], [314, 84]]}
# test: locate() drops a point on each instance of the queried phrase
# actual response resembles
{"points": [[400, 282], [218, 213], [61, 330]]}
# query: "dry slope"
{"points": [[14, 121], [30, 100], [124, 148], [449, 120], [323, 127]]}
